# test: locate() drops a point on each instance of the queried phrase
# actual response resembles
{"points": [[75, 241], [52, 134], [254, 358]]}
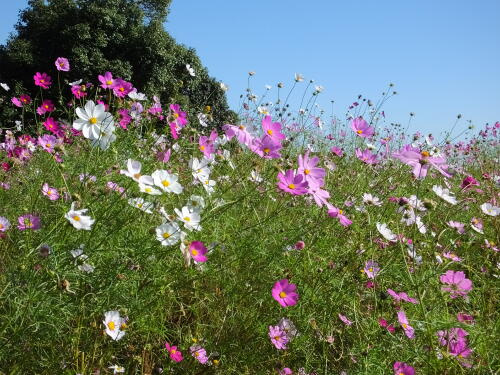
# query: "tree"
{"points": [[125, 37]]}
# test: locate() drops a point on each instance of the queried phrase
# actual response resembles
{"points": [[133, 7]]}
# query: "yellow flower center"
{"points": [[140, 205], [111, 326], [121, 89], [187, 218], [46, 106], [49, 192], [76, 218], [42, 80], [266, 150], [109, 82], [307, 171], [202, 148], [93, 120], [48, 145], [166, 235], [165, 183], [270, 132], [194, 252], [277, 338], [405, 326], [360, 132], [123, 326], [425, 154], [176, 115], [1, 226], [137, 175], [370, 269], [341, 212]]}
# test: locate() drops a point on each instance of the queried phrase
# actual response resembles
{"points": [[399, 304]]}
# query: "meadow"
{"points": [[135, 239]]}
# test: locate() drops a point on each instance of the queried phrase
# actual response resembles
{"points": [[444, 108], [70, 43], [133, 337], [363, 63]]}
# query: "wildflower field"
{"points": [[137, 239]]}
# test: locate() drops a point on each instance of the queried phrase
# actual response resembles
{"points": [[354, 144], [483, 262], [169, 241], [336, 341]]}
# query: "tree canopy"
{"points": [[125, 37]]}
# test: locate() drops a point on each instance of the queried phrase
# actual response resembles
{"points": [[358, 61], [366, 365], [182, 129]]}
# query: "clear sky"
{"points": [[442, 55]]}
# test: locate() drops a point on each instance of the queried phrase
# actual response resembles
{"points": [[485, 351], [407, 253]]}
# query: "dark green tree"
{"points": [[125, 37]]}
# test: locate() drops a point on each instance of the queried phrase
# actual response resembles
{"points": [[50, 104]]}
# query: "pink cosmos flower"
{"points": [[458, 284], [468, 182], [371, 269], [299, 245], [465, 318], [272, 129], [43, 80], [125, 118], [409, 331], [198, 250], [175, 355], [62, 64], [460, 227], [452, 256], [21, 101], [51, 125], [29, 221], [16, 102], [401, 368], [320, 196], [421, 161], [285, 293], [266, 147], [106, 80], [366, 156], [361, 127], [79, 91], [207, 144], [345, 320], [48, 142], [402, 296], [179, 120], [50, 192], [292, 183], [337, 151], [286, 371], [339, 214], [477, 224], [240, 132], [278, 337], [307, 167], [121, 88], [46, 106], [199, 353], [4, 224], [163, 155]]}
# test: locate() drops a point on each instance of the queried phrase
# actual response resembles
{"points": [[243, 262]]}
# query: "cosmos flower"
{"points": [[489, 209], [371, 269], [78, 219], [285, 293], [401, 368], [174, 354], [29, 221], [386, 232], [199, 353], [115, 324], [409, 331], [292, 183], [43, 80], [198, 251], [92, 120], [4, 224], [62, 64], [444, 194], [50, 192], [166, 181], [278, 337], [456, 283], [361, 128], [168, 234]]}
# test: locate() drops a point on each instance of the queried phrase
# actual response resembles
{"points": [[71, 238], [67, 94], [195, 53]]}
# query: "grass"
{"points": [[51, 312]]}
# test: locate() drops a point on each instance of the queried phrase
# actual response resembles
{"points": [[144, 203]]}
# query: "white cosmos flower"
{"points": [[371, 199], [168, 234], [149, 189], [408, 217], [191, 219], [5, 86], [208, 185], [166, 181], [200, 169], [91, 119], [134, 172], [75, 83], [416, 203], [255, 177], [489, 209], [78, 219], [196, 203], [203, 119], [386, 232], [117, 369], [420, 225], [114, 324], [444, 194], [139, 96], [190, 70], [106, 136], [141, 204]]}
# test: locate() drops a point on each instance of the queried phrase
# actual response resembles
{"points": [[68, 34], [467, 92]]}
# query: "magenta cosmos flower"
{"points": [[361, 128], [285, 293], [403, 320], [198, 250], [62, 64], [106, 80], [272, 129], [50, 192], [175, 355], [291, 183], [278, 337], [46, 106], [402, 296], [207, 144], [366, 156], [339, 214], [43, 80], [457, 284], [29, 221], [421, 161], [199, 353], [401, 368], [240, 132], [308, 167], [121, 88], [266, 147]]}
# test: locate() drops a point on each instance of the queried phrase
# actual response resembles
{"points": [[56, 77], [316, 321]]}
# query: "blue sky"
{"points": [[443, 56]]}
